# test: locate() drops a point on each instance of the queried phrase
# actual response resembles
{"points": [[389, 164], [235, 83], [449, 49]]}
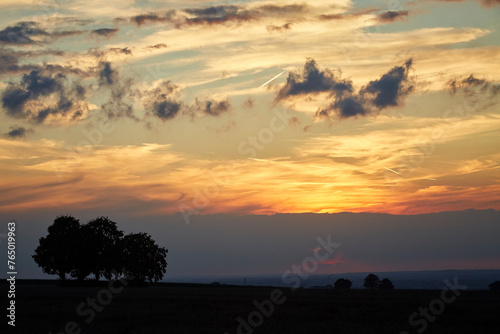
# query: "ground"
{"points": [[42, 307]]}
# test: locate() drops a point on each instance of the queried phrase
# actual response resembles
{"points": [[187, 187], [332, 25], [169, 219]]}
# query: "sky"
{"points": [[142, 110]]}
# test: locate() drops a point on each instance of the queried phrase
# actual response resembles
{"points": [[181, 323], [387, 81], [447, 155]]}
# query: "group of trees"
{"points": [[98, 248], [371, 282]]}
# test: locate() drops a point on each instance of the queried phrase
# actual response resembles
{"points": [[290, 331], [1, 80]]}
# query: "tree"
{"points": [[56, 254], [143, 258], [494, 286], [342, 284], [371, 281], [102, 253], [386, 284]]}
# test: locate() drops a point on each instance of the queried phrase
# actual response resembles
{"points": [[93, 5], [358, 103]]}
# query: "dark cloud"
{"points": [[33, 98], [214, 11], [286, 26], [66, 33], [120, 103], [471, 85], [22, 33], [122, 93], [214, 15], [105, 32], [391, 16], [107, 75], [160, 102], [149, 18], [213, 108], [220, 15], [10, 59], [345, 16], [125, 51], [344, 107], [312, 80], [16, 132], [391, 86], [157, 46], [28, 33], [370, 99], [283, 10]]}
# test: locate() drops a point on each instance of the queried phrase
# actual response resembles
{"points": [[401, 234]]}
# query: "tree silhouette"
{"points": [[342, 284], [494, 286], [143, 258], [98, 248], [386, 284], [56, 254], [102, 247], [371, 281]]}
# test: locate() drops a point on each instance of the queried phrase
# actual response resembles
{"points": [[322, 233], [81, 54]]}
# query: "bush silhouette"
{"points": [[98, 248]]}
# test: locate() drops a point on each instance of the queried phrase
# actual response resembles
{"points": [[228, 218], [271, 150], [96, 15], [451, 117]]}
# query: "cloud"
{"points": [[23, 33], [344, 107], [472, 85], [122, 93], [17, 132], [42, 95], [125, 51], [105, 32], [391, 15], [122, 98], [286, 26], [345, 16], [390, 87], [107, 75], [376, 95], [141, 19], [10, 59], [312, 80], [28, 33], [283, 9], [215, 15], [160, 101], [157, 46], [213, 108]]}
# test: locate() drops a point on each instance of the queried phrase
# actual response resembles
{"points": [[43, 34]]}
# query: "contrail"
{"points": [[392, 170], [276, 77]]}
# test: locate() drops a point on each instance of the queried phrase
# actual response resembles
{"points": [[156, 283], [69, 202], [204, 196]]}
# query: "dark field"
{"points": [[42, 307]]}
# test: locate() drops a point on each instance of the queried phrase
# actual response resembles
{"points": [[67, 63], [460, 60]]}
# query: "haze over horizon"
{"points": [[225, 129]]}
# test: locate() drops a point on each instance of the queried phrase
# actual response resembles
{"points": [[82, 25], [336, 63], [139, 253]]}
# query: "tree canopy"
{"points": [[386, 284], [371, 281], [98, 248], [342, 284]]}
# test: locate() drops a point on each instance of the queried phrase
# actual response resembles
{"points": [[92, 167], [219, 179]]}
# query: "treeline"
{"points": [[100, 249]]}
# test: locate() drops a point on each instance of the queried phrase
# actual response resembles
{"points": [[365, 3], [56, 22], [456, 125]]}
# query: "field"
{"points": [[42, 307]]}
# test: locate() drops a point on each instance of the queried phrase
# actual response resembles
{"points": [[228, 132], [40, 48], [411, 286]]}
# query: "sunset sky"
{"points": [[148, 108]]}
